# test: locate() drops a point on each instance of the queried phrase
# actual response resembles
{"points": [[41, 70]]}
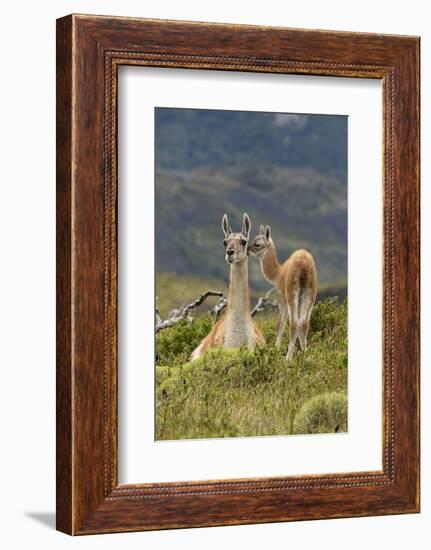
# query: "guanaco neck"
{"points": [[239, 299], [270, 264]]}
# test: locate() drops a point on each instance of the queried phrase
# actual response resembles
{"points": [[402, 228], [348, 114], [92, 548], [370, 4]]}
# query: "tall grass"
{"points": [[234, 393]]}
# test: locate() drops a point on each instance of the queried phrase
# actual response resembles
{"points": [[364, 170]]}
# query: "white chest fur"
{"points": [[239, 326], [239, 332]]}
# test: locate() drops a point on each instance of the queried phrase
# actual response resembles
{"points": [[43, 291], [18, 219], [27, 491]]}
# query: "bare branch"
{"points": [[175, 313], [264, 302], [179, 315], [158, 316], [201, 300], [219, 308]]}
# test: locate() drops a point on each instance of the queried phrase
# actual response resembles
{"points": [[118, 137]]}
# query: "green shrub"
{"points": [[324, 413], [329, 317], [229, 393], [175, 345]]}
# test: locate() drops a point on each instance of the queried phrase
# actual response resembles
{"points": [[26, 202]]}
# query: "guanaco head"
{"points": [[259, 245], [236, 243]]}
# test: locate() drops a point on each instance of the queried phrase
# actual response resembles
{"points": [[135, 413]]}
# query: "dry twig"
{"points": [[179, 315], [264, 302], [219, 308]]}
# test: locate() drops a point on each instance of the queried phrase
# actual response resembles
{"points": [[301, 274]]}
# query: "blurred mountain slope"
{"points": [[304, 207], [193, 138]]}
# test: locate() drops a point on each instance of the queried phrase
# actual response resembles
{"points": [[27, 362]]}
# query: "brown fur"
{"points": [[215, 338], [296, 281], [236, 328]]}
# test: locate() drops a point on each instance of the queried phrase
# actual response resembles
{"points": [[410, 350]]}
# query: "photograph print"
{"points": [[251, 274]]}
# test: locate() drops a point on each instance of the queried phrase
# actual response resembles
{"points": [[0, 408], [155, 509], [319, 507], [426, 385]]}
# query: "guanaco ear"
{"points": [[262, 230], [246, 225], [226, 227], [267, 232]]}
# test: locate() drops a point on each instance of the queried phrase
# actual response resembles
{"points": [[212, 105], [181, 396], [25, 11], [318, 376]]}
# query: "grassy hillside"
{"points": [[231, 393]]}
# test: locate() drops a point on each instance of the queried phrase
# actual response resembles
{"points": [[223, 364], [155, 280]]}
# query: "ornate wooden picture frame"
{"points": [[89, 51]]}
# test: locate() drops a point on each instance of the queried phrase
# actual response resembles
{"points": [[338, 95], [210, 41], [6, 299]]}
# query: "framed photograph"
{"points": [[237, 274]]}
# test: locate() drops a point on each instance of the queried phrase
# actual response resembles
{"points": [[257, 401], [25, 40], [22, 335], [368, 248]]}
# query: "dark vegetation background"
{"points": [[286, 170]]}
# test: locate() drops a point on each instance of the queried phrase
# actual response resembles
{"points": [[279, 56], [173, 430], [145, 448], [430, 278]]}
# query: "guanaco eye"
{"points": [[224, 243], [243, 242]]}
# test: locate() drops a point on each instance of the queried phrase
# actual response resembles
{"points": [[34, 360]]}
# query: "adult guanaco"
{"points": [[296, 281], [236, 328]]}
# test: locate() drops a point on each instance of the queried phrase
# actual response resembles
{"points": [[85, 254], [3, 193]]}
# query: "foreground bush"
{"points": [[229, 393], [325, 413]]}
